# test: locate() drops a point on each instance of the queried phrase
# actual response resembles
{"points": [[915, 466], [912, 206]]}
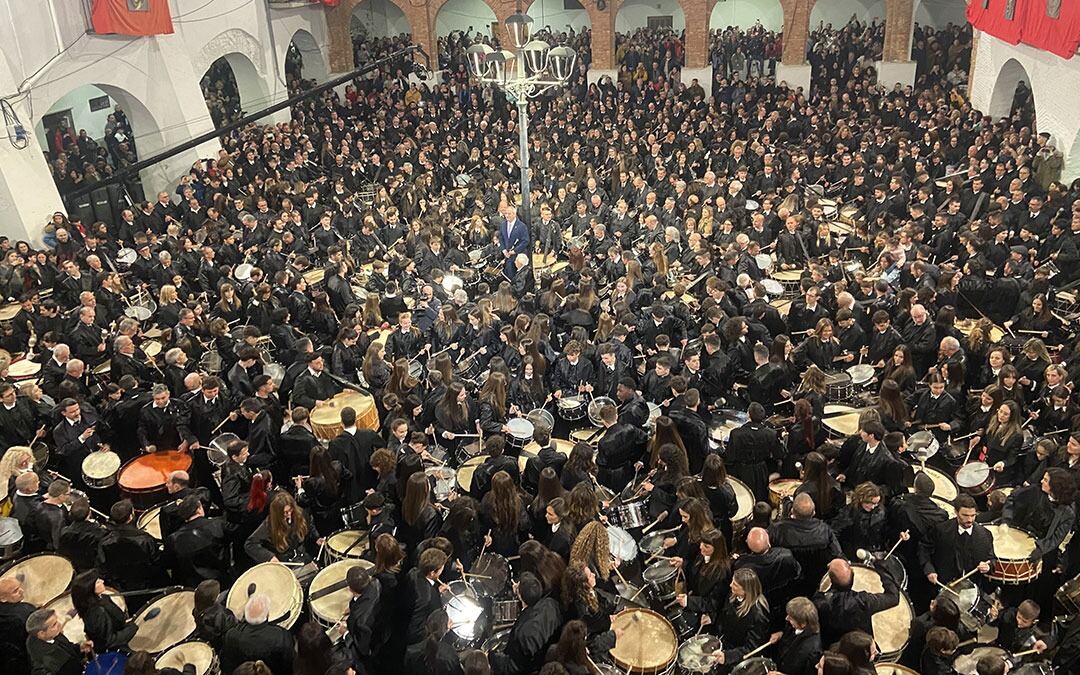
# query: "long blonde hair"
{"points": [[751, 585], [9, 465]]}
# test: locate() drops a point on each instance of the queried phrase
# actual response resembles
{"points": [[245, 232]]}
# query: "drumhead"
{"points": [[649, 643], [44, 577], [173, 625], [1011, 543], [340, 541], [198, 654], [520, 427], [891, 626], [333, 606], [972, 474], [967, 664], [696, 654], [753, 666], [149, 472], [274, 580], [659, 571], [101, 464], [24, 368], [944, 488], [150, 522], [893, 669], [744, 497]]}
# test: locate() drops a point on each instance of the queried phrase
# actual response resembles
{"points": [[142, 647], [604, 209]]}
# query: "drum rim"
{"points": [[158, 598], [198, 643], [11, 565], [350, 563], [674, 640]]}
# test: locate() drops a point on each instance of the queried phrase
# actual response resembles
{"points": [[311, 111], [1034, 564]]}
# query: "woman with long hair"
{"points": [[315, 653], [708, 575], [285, 535], [547, 565], [570, 651], [1001, 442], [492, 408], [696, 519], [419, 518], [862, 523], [718, 492], [375, 369], [548, 488], [580, 467], [402, 383], [17, 460], [859, 649], [502, 512], [229, 307], [560, 531], [671, 468], [581, 601], [1031, 364], [817, 482], [592, 550], [822, 347], [260, 493], [433, 655], [455, 414], [528, 392], [901, 370], [448, 332], [744, 619], [666, 434], [806, 435], [891, 407], [1008, 382], [320, 493], [105, 623], [812, 389]]}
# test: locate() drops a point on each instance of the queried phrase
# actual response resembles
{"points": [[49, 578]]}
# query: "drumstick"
{"points": [[757, 650], [944, 587], [227, 418], [484, 547], [1026, 652], [893, 549], [973, 571], [964, 438], [619, 574], [634, 596], [477, 576], [654, 523]]}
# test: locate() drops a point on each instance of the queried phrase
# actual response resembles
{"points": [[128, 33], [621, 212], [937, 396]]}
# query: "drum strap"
{"points": [[332, 588]]}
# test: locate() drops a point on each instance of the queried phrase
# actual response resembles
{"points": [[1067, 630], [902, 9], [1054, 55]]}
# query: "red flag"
{"points": [[132, 17], [331, 3]]}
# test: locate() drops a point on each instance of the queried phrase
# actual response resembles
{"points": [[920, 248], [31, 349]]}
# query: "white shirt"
{"points": [[872, 449], [961, 530]]}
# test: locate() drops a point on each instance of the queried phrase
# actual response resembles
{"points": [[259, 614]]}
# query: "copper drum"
{"points": [[275, 581], [967, 664], [745, 500], [468, 468], [891, 626], [1012, 548], [150, 522], [842, 420], [73, 623], [648, 643], [173, 625], [944, 487], [326, 417], [24, 370], [790, 280], [44, 577], [975, 478], [198, 654], [346, 545], [329, 594], [562, 446], [781, 489], [142, 480], [99, 469]]}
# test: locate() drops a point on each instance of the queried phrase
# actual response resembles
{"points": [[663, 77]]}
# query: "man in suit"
{"points": [[164, 424], [50, 652], [956, 546], [513, 238], [76, 436]]}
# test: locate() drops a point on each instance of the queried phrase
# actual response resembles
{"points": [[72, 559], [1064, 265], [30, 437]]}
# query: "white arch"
{"points": [[634, 14], [378, 18], [1012, 72], [839, 12], [939, 13], [464, 15], [743, 13], [552, 14], [315, 67]]}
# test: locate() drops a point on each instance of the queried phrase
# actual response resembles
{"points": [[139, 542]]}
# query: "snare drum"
{"points": [[1012, 548], [660, 577], [142, 480], [967, 664], [944, 488], [505, 612], [198, 654], [696, 654], [23, 370], [99, 469], [491, 574], [745, 500], [923, 445], [443, 479], [861, 375], [891, 626], [464, 608], [326, 418], [828, 208], [572, 408], [173, 625], [44, 577], [842, 420], [73, 624], [753, 666], [765, 263], [540, 416], [150, 522], [346, 544], [1068, 598], [275, 581], [790, 280], [648, 643], [519, 432], [838, 387], [621, 543], [975, 478], [774, 288], [329, 594], [628, 515], [781, 489]]}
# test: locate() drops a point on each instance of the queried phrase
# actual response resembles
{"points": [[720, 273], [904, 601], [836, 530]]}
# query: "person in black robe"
{"points": [[313, 385], [620, 448], [842, 610], [422, 588], [872, 461], [198, 549], [956, 546], [49, 651], [362, 617], [164, 423], [353, 448], [432, 655], [799, 647], [752, 449], [104, 622], [14, 611], [536, 627], [130, 558], [255, 638]]}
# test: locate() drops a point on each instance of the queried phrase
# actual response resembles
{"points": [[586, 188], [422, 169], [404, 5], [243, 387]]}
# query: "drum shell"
{"points": [[520, 433], [573, 413], [628, 515], [339, 541], [326, 419], [982, 488], [99, 481], [662, 582], [142, 480], [175, 658], [838, 387]]}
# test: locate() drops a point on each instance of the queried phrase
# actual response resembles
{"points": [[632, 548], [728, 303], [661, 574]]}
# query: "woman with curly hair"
{"points": [[581, 601]]}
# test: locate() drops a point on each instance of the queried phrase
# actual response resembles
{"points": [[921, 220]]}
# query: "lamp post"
{"points": [[532, 68]]}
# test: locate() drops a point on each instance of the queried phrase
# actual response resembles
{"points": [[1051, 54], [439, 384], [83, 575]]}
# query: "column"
{"points": [[28, 195], [896, 65], [793, 68], [602, 23], [338, 19], [698, 66]]}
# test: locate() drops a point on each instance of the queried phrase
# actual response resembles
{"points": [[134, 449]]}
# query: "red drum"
{"points": [[1012, 552], [142, 480]]}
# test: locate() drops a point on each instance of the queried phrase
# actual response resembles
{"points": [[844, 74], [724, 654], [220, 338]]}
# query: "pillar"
{"points": [[338, 20], [698, 65], [421, 27], [28, 195], [602, 24], [896, 65], [793, 68]]}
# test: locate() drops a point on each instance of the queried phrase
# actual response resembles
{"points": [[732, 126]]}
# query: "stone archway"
{"points": [[305, 58], [743, 14], [378, 19], [1012, 73]]}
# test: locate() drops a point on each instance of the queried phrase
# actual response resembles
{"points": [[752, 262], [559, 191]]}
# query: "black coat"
{"points": [[59, 657], [742, 634], [130, 558], [106, 628], [13, 657], [354, 453], [798, 654], [421, 599], [536, 627], [750, 450], [271, 644], [812, 543], [618, 449], [198, 550], [842, 610]]}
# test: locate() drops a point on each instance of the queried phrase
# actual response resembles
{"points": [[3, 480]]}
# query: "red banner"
{"points": [[132, 17], [1030, 23]]}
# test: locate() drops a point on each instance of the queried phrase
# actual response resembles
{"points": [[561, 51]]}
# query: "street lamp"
{"points": [[532, 68]]}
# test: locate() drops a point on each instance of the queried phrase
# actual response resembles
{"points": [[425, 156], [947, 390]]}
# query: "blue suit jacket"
{"points": [[518, 242]]}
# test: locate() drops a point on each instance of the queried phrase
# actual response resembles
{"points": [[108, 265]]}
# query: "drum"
{"points": [[275, 581], [621, 543], [541, 261], [781, 489], [848, 213], [497, 642], [842, 420], [1041, 668], [893, 565], [314, 276], [765, 263], [217, 453], [172, 624], [11, 537], [923, 445], [505, 612], [540, 416], [443, 480], [572, 408], [465, 609], [944, 488], [774, 288], [588, 436], [198, 654], [648, 643], [346, 544], [595, 406], [1012, 548], [628, 516], [790, 280], [838, 387], [968, 598], [660, 577], [73, 624], [326, 417], [861, 375], [44, 577], [489, 575], [655, 411], [893, 669], [329, 594], [99, 469], [142, 480], [696, 654], [756, 665], [967, 664], [1067, 598], [891, 626], [126, 256], [828, 208], [745, 499], [519, 432], [23, 370], [562, 446], [150, 522], [975, 478], [468, 468], [109, 663], [152, 348], [724, 422]]}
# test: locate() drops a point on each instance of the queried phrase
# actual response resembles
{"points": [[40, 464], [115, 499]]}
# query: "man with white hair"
{"points": [[920, 336], [523, 281], [257, 638]]}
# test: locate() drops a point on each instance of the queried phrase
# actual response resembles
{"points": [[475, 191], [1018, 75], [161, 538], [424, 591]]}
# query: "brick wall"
{"points": [[697, 31], [796, 30], [898, 23]]}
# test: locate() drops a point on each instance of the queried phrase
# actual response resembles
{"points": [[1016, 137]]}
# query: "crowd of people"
{"points": [[761, 382]]}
